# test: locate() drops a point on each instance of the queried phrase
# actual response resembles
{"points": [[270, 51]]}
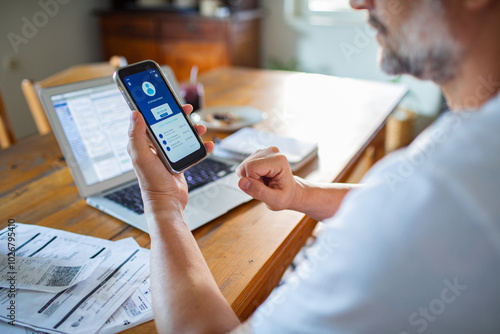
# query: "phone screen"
{"points": [[163, 114]]}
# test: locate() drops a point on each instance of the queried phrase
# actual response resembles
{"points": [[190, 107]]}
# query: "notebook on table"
{"points": [[246, 141], [90, 120]]}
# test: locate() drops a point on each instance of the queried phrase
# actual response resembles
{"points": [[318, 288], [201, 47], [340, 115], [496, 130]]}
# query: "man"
{"points": [[416, 248]]}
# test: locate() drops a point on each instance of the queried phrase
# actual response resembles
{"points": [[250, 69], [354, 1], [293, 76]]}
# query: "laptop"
{"points": [[90, 120]]}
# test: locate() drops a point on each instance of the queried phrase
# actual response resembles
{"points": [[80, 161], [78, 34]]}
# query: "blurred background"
{"points": [[43, 37]]}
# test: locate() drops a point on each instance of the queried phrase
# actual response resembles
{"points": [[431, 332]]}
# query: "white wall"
{"points": [[67, 35], [319, 49]]}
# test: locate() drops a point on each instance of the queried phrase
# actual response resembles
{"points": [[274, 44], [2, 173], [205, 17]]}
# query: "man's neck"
{"points": [[473, 86], [478, 76]]}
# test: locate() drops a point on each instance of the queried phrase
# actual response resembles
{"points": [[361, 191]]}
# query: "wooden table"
{"points": [[248, 248]]}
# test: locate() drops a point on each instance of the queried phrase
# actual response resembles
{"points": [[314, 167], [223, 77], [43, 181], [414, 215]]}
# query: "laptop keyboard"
{"points": [[205, 172], [197, 176], [129, 197]]}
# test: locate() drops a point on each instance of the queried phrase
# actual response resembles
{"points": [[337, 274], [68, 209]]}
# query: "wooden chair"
{"points": [[7, 137], [73, 74]]}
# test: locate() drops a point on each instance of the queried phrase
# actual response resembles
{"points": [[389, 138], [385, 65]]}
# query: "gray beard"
{"points": [[437, 66], [423, 47]]}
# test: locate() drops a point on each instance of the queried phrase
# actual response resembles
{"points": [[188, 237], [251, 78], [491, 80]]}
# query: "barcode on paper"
{"points": [[62, 275]]}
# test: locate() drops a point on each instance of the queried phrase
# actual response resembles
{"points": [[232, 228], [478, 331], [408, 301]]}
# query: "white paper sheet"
{"points": [[5, 328], [136, 310], [84, 307], [42, 274]]}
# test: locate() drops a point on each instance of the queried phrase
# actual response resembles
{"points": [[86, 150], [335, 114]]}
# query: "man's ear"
{"points": [[477, 4]]}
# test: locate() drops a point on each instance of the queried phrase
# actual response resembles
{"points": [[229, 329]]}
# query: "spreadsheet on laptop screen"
{"points": [[95, 122]]}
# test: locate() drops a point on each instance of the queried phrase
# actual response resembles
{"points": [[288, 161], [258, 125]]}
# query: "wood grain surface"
{"points": [[248, 248]]}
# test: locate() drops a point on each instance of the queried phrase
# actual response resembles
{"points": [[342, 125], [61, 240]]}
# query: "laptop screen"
{"points": [[95, 122]]}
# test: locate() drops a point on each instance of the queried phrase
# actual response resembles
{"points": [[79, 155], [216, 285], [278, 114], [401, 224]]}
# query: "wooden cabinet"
{"points": [[182, 40]]}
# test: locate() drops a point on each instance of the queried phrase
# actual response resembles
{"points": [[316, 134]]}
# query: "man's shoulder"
{"points": [[459, 149], [447, 179]]}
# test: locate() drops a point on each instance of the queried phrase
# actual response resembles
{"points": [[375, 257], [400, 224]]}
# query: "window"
{"points": [[323, 6], [323, 13]]}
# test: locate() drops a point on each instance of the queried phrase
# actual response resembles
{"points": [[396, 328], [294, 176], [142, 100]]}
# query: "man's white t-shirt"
{"points": [[417, 249]]}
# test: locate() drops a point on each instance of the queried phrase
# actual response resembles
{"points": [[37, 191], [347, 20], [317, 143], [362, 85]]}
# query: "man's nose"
{"points": [[362, 4]]}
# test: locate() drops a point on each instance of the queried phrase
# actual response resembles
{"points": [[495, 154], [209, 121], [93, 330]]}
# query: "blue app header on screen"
{"points": [[152, 96]]}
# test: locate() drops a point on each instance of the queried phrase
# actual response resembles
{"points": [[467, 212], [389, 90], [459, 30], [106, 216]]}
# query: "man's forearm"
{"points": [[321, 201], [186, 298]]}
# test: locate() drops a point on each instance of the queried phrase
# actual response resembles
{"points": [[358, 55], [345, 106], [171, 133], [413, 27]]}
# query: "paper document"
{"points": [[5, 328], [136, 310], [85, 306], [49, 275]]}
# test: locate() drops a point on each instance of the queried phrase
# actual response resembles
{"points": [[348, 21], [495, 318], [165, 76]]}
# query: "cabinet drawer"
{"points": [[182, 29], [129, 26]]}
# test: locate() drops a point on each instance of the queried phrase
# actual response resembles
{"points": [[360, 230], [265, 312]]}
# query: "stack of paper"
{"points": [[61, 282], [246, 141]]}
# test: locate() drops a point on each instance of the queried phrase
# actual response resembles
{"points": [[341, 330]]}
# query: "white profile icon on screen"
{"points": [[148, 88]]}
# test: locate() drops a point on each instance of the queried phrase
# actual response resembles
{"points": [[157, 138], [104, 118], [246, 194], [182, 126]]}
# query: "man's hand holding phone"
{"points": [[170, 131], [158, 186]]}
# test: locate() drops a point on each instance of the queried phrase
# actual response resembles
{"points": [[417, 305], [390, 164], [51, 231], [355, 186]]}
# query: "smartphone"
{"points": [[170, 130]]}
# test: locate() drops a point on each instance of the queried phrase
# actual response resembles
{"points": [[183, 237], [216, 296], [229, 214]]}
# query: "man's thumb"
{"points": [[138, 146], [254, 188]]}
